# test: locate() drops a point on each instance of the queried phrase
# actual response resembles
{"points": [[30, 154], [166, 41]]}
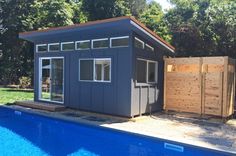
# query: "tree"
{"points": [[153, 18], [202, 28], [222, 25], [100, 9], [15, 56], [17, 59], [136, 7]]}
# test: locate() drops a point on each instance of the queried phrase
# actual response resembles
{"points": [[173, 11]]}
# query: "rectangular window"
{"points": [[52, 47], [98, 70], [138, 43], [102, 69], [67, 46], [86, 70], [148, 47], [100, 43], [41, 48], [119, 41], [82, 45], [146, 71], [152, 72], [141, 71]]}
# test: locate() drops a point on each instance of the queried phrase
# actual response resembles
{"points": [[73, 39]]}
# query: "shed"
{"points": [[113, 66], [203, 85]]}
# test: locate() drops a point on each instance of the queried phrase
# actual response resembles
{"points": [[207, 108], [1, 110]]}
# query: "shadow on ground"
{"points": [[19, 90]]}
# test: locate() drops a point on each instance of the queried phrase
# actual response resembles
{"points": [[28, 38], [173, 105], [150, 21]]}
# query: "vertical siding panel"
{"points": [[97, 97]]}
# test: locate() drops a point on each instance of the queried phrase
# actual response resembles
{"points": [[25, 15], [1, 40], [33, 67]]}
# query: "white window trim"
{"points": [[152, 48], [147, 67], [40, 75], [156, 71], [97, 59], [53, 44], [94, 59], [139, 40], [82, 41], [38, 45], [101, 39], [63, 43], [113, 38]]}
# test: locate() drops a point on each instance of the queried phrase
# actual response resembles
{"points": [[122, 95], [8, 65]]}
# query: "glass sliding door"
{"points": [[57, 80], [51, 79], [45, 79]]}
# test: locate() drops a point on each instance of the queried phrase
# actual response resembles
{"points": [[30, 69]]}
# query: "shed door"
{"points": [[51, 79]]}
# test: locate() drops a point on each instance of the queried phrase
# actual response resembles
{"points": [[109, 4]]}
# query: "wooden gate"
{"points": [[212, 85], [203, 85]]}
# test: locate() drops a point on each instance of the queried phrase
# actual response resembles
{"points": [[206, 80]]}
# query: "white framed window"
{"points": [[100, 43], [102, 70], [146, 71], [82, 45], [148, 47], [67, 46], [53, 47], [138, 43], [95, 70], [41, 48], [116, 42]]}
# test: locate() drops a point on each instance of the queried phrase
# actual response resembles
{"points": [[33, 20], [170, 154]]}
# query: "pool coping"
{"points": [[98, 125]]}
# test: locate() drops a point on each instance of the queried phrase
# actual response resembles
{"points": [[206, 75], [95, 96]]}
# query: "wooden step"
{"points": [[41, 106]]}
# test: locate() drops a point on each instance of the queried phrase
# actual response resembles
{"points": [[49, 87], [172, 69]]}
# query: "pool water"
{"points": [[23, 134]]}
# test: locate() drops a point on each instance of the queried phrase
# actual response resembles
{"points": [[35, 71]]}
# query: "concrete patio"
{"points": [[209, 132]]}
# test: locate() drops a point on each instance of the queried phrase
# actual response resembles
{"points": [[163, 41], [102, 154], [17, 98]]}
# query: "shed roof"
{"points": [[134, 22]]}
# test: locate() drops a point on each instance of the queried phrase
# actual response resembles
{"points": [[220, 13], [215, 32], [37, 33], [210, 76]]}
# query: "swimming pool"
{"points": [[24, 133]]}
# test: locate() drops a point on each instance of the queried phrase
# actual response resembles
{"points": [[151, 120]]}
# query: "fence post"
{"points": [[202, 86]]}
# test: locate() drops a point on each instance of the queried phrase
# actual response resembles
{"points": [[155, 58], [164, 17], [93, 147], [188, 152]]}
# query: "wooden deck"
{"points": [[41, 106]]}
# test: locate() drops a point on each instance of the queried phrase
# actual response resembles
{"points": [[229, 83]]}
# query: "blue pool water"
{"points": [[23, 134]]}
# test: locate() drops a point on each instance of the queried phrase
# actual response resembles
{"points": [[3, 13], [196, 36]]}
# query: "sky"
{"points": [[164, 3]]}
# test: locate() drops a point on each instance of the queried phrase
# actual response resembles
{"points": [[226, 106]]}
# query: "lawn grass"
{"points": [[10, 95]]}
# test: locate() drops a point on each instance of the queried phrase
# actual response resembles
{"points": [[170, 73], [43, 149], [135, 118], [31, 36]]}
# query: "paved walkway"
{"points": [[215, 135], [200, 132]]}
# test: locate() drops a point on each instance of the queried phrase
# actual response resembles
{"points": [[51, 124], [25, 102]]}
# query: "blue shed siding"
{"points": [[147, 97], [110, 98], [104, 97]]}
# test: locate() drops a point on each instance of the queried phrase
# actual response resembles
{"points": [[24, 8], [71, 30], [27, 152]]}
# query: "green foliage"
{"points": [[136, 7], [153, 18], [222, 26], [24, 82], [204, 27], [17, 58], [100, 9]]}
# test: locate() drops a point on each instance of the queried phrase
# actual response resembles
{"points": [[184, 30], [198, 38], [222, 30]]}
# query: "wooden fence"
{"points": [[203, 85]]}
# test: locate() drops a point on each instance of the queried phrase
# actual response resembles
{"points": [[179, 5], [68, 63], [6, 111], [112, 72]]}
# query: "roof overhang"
{"points": [[151, 34], [141, 27]]}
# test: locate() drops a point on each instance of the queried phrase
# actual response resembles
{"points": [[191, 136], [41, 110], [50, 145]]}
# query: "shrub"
{"points": [[25, 82]]}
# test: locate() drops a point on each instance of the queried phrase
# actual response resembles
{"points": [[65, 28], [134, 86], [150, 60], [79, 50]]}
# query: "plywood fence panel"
{"points": [[203, 85], [213, 60], [231, 85], [182, 88], [213, 94]]}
